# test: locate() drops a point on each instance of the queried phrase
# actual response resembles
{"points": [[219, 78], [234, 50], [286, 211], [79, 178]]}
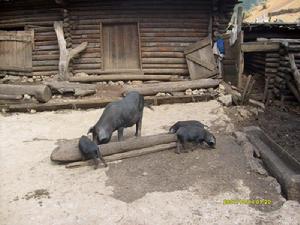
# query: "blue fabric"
{"points": [[220, 45]]}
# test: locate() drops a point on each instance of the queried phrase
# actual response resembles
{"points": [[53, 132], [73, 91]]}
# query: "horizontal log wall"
{"points": [[165, 29], [275, 68], [39, 16], [284, 73]]}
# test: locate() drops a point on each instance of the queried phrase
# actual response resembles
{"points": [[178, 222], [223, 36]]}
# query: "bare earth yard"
{"points": [[161, 189]]}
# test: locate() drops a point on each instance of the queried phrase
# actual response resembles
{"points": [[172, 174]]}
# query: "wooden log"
{"points": [[41, 92], [244, 95], [10, 97], [279, 163], [165, 66], [266, 88], [163, 60], [293, 89], [166, 71], [68, 151], [98, 103], [77, 89], [90, 79], [87, 66], [295, 71], [152, 89], [65, 54], [126, 155], [260, 46], [162, 54]]}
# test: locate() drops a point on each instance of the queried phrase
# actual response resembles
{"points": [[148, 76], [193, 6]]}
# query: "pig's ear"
{"points": [[91, 130]]}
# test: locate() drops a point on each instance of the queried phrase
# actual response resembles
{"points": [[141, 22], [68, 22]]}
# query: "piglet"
{"points": [[173, 129], [90, 150], [195, 135]]}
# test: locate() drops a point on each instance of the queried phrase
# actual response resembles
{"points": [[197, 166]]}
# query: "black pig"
{"points": [[90, 150], [173, 129], [119, 115], [194, 134]]}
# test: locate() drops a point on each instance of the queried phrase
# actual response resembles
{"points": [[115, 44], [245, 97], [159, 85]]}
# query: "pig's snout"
{"points": [[211, 140]]}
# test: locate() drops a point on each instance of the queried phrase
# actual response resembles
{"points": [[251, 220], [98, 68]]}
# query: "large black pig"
{"points": [[119, 115]]}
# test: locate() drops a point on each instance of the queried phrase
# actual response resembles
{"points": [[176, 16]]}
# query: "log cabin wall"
{"points": [[274, 66], [165, 28], [39, 16]]}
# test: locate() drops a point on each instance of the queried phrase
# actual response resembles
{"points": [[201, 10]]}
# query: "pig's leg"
{"points": [[101, 158], [138, 130], [120, 134], [185, 149], [178, 147], [96, 163], [95, 138]]}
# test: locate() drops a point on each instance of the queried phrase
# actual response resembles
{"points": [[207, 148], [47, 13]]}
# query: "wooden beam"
{"points": [[260, 46], [10, 97], [284, 11], [200, 44], [295, 71]]}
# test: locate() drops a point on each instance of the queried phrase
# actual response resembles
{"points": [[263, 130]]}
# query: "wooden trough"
{"points": [[67, 151], [279, 163]]}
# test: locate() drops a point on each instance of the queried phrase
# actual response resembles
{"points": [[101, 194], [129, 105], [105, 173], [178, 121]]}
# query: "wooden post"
{"points": [[295, 71], [240, 40], [65, 54]]}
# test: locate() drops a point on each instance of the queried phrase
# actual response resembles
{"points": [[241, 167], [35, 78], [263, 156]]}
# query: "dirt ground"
{"points": [[162, 188]]}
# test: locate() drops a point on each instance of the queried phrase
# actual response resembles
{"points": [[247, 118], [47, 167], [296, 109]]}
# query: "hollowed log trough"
{"points": [[279, 163]]}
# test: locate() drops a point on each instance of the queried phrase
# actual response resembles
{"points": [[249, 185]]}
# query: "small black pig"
{"points": [[90, 150], [173, 129], [195, 135], [119, 115]]}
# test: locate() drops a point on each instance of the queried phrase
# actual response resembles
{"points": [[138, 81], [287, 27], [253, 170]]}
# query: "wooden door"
{"points": [[200, 59], [121, 47], [16, 51]]}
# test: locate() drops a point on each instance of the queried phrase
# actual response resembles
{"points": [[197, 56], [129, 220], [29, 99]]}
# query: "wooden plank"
{"points": [[22, 36], [199, 62], [120, 46], [260, 46], [200, 44], [15, 68]]}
